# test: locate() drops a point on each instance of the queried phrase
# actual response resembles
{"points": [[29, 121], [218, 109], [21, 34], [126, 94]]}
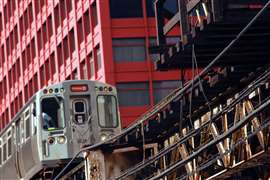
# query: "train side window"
{"points": [[9, 144], [52, 113], [27, 123], [79, 107], [18, 133], [4, 148], [33, 118], [22, 131]]}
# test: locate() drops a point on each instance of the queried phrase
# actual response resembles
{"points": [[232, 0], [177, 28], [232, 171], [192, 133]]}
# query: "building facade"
{"points": [[47, 41]]}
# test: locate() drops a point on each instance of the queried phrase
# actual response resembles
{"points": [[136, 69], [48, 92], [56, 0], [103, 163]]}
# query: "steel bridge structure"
{"points": [[215, 126]]}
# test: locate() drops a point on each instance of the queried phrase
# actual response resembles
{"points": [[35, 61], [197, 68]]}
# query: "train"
{"points": [[54, 125]]}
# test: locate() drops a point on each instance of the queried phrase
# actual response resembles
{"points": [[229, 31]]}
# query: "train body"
{"points": [[54, 124]]}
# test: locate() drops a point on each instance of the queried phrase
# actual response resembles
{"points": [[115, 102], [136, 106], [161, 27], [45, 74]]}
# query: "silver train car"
{"points": [[54, 124]]}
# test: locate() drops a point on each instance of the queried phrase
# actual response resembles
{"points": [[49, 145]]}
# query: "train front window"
{"points": [[52, 113], [107, 111], [79, 106]]}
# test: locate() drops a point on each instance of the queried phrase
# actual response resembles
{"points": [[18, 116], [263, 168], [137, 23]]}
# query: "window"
{"points": [[4, 152], [84, 71], [133, 94], [80, 32], [107, 111], [62, 9], [1, 26], [39, 40], [33, 118], [86, 22], [80, 111], [47, 71], [163, 88], [52, 113], [27, 123], [129, 49], [44, 33], [69, 6], [92, 66], [18, 141], [9, 144], [79, 106], [37, 8], [126, 9], [56, 17], [33, 48], [94, 13], [99, 61], [52, 64], [75, 74], [65, 48], [150, 8], [59, 55], [50, 26], [21, 131], [71, 39]]}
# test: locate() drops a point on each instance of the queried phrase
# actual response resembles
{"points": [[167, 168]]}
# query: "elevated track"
{"points": [[217, 125]]}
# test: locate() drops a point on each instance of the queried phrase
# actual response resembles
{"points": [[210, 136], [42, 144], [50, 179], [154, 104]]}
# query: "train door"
{"points": [[80, 120], [18, 148]]}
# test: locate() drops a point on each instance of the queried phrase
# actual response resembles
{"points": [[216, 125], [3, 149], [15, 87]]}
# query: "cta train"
{"points": [[54, 124]]}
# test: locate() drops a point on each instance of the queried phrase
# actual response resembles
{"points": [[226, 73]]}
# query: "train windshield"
{"points": [[52, 113], [107, 111]]}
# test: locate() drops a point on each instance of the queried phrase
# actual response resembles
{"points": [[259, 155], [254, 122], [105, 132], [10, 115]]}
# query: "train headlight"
{"points": [[103, 137], [61, 139], [100, 88], [50, 90], [51, 140]]}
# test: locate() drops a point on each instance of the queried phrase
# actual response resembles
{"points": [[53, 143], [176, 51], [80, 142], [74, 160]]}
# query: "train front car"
{"points": [[94, 115], [74, 114]]}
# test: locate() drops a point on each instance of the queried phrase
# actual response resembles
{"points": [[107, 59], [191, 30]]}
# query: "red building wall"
{"points": [[44, 42]]}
